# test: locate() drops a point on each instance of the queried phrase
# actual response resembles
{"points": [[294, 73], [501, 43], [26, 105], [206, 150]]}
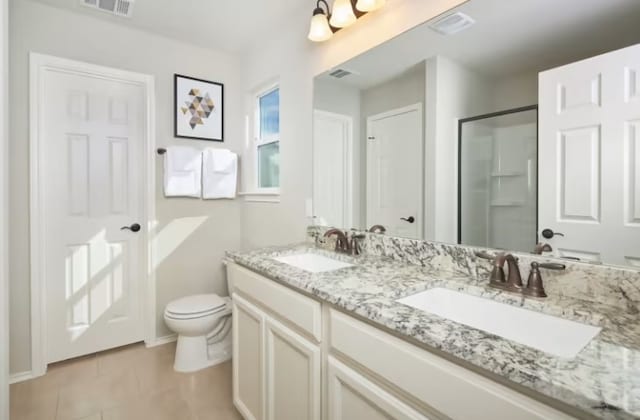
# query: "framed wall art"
{"points": [[199, 109]]}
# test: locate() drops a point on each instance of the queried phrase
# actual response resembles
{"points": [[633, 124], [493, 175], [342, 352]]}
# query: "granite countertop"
{"points": [[603, 380]]}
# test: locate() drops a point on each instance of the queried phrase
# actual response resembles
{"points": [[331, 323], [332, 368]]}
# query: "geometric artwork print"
{"points": [[198, 107]]}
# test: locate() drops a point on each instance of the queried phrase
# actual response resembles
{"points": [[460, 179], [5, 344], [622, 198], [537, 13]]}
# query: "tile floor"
{"points": [[132, 383]]}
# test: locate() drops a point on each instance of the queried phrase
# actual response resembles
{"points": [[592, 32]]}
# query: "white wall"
{"points": [[403, 90], [4, 211], [289, 56], [452, 92], [515, 91], [193, 234], [342, 99]]}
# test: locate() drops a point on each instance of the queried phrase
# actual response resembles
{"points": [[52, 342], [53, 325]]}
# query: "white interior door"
{"points": [[589, 157], [92, 141], [394, 171], [332, 169]]}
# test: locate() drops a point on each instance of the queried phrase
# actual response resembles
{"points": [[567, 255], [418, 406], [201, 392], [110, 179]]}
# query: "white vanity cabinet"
{"points": [[248, 359], [292, 374], [276, 360], [285, 368], [352, 396]]}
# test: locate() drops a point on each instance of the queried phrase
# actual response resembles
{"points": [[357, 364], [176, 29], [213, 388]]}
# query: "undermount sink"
{"points": [[313, 263], [550, 334]]}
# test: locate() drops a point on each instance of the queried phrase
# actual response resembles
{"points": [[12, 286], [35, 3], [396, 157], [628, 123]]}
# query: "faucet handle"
{"points": [[356, 248], [485, 255], [551, 266], [514, 281], [535, 286]]}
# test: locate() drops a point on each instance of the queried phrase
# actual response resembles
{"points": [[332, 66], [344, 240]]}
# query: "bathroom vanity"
{"points": [[509, 143], [338, 344]]}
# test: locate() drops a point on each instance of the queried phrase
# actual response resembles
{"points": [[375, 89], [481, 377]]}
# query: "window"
{"points": [[268, 139]]}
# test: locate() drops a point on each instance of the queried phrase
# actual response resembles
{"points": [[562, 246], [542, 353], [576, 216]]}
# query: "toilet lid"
{"points": [[196, 304]]}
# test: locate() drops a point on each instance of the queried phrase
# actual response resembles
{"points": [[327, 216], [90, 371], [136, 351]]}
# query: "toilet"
{"points": [[203, 325]]}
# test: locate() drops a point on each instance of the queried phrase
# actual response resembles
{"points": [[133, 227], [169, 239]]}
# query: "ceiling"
{"points": [[229, 25], [509, 38]]}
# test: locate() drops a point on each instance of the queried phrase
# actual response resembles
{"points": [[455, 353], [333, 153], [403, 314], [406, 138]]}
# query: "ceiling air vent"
{"points": [[452, 24], [115, 7], [340, 73]]}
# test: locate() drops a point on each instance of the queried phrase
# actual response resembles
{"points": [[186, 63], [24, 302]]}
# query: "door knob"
{"points": [[133, 228], [409, 219], [548, 234]]}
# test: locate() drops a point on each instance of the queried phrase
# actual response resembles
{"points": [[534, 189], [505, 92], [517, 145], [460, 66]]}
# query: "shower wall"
{"points": [[498, 181]]}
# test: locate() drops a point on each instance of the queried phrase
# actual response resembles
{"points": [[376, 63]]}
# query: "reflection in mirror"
{"points": [[496, 133], [497, 200]]}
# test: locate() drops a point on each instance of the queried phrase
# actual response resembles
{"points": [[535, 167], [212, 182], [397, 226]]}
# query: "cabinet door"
{"points": [[248, 362], [293, 375], [352, 396]]}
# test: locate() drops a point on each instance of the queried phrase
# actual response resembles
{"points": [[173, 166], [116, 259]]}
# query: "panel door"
{"points": [[293, 375], [332, 169], [394, 171], [589, 157], [248, 359], [93, 131], [352, 396]]}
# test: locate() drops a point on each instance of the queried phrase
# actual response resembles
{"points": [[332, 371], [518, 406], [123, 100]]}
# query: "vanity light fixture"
{"points": [[369, 5], [342, 15], [324, 22], [320, 30]]}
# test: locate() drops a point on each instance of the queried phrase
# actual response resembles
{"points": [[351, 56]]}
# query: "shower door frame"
{"points": [[482, 117]]}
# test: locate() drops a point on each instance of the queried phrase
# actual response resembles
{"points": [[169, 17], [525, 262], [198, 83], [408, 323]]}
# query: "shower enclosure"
{"points": [[497, 179]]}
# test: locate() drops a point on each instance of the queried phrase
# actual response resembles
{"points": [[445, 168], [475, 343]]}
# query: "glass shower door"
{"points": [[497, 184]]}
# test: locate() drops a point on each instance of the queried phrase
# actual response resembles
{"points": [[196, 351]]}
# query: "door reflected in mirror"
{"points": [[489, 137]]}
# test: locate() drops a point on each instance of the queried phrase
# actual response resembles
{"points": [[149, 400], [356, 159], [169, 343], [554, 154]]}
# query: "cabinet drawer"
{"points": [[451, 389], [352, 396], [293, 307]]}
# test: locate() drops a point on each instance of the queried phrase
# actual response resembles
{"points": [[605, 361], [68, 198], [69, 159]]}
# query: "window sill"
{"points": [[272, 196]]}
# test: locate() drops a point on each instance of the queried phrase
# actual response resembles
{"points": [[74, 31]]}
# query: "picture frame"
{"points": [[198, 109]]}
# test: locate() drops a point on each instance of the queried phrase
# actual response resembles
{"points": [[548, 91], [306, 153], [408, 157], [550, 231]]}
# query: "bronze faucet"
{"points": [[535, 287], [349, 244], [497, 276], [342, 243], [513, 281], [377, 229], [542, 247], [356, 248]]}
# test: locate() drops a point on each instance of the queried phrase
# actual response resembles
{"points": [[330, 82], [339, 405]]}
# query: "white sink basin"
{"points": [[312, 263], [547, 333]]}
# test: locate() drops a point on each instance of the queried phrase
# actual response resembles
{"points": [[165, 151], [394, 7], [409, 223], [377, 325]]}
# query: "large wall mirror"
{"points": [[505, 124]]}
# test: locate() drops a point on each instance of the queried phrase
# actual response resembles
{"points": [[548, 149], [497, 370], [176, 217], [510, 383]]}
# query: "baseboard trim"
{"points": [[14, 378], [161, 340]]}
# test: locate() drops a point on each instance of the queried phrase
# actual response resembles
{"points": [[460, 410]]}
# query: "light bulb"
{"points": [[319, 29], [369, 5], [342, 15]]}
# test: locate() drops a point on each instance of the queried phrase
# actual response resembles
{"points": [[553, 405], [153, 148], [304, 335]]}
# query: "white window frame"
{"points": [[257, 193]]}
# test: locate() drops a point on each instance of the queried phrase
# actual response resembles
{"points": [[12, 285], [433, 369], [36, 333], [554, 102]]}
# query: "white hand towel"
{"points": [[223, 160], [182, 172], [220, 173]]}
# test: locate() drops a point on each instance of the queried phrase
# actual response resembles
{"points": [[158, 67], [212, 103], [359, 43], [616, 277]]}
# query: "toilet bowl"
{"points": [[203, 325]]}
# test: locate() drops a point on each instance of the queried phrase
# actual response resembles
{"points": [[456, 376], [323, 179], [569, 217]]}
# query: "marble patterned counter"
{"points": [[603, 381]]}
